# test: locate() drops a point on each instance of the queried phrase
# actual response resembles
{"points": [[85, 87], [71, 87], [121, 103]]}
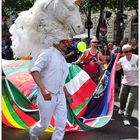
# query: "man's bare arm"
{"points": [[36, 76]]}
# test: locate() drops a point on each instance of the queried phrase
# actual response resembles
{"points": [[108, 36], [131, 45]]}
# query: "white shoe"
{"points": [[121, 112], [33, 137], [126, 122]]}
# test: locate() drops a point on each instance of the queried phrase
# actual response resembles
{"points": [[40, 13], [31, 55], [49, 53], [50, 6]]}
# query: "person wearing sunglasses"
{"points": [[92, 58], [129, 84]]}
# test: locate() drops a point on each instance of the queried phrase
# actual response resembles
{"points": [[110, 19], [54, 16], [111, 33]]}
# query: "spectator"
{"points": [[106, 53], [111, 47], [71, 52], [7, 52], [123, 42], [116, 47], [5, 29], [134, 46], [129, 88], [92, 59]]}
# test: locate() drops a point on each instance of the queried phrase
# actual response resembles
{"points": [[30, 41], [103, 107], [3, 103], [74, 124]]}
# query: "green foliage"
{"points": [[96, 5], [100, 5], [131, 4], [15, 5]]}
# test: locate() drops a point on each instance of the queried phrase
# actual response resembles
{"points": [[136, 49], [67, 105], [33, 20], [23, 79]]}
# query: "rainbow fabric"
{"points": [[103, 67], [92, 105]]}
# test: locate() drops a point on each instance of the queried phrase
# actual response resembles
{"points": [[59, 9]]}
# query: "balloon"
{"points": [[81, 46]]}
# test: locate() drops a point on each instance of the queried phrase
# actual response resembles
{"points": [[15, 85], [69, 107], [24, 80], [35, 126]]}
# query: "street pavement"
{"points": [[114, 130]]}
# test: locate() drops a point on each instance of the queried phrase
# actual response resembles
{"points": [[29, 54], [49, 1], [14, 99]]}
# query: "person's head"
{"points": [[110, 45], [94, 42], [70, 42], [125, 40], [122, 43], [62, 46], [106, 48], [127, 50], [133, 42]]}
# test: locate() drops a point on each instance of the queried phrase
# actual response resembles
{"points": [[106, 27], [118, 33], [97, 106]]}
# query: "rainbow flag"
{"points": [[15, 108], [103, 66], [92, 105]]}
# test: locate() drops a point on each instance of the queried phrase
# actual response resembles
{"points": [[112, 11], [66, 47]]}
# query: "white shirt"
{"points": [[130, 69], [53, 69]]}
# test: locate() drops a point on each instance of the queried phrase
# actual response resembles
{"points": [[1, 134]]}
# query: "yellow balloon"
{"points": [[81, 46]]}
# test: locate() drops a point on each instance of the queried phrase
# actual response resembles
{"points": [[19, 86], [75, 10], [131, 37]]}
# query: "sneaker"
{"points": [[126, 122], [33, 137], [121, 112]]}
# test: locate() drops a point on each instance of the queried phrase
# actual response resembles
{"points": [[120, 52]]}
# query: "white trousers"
{"points": [[57, 108]]}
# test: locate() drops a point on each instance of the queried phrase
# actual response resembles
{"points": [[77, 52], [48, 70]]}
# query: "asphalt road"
{"points": [[114, 130]]}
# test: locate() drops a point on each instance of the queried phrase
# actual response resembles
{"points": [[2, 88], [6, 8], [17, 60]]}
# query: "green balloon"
{"points": [[81, 46]]}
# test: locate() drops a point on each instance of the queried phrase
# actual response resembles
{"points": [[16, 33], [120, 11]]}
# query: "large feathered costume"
{"points": [[43, 25]]}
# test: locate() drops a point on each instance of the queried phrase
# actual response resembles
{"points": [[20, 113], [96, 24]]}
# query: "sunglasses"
{"points": [[94, 42], [128, 51]]}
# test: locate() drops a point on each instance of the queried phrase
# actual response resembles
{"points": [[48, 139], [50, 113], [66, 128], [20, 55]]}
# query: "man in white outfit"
{"points": [[49, 72]]}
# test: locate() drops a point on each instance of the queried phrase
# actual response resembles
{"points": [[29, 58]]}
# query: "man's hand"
{"points": [[46, 94]]}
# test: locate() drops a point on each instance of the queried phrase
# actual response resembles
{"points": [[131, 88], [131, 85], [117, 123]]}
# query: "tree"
{"points": [[100, 5], [15, 5], [132, 5], [97, 6], [94, 5]]}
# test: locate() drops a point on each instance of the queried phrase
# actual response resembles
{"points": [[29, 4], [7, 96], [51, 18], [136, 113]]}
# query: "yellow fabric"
{"points": [[8, 115]]}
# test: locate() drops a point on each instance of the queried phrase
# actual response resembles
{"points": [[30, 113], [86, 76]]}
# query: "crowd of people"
{"points": [[126, 70]]}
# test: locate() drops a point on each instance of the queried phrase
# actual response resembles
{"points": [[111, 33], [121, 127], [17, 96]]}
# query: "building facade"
{"points": [[130, 26]]}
